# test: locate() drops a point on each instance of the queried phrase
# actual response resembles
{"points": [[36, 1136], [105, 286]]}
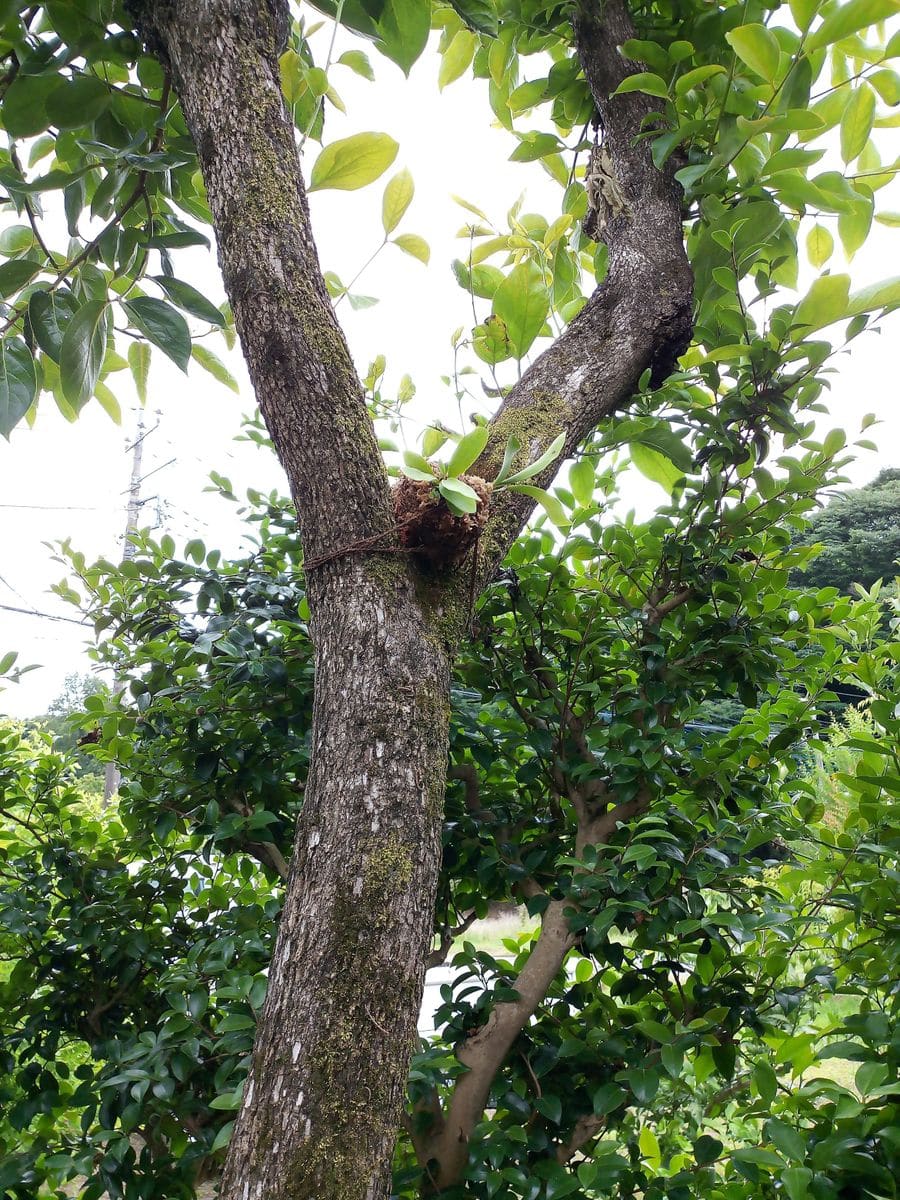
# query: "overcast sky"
{"points": [[70, 481]]}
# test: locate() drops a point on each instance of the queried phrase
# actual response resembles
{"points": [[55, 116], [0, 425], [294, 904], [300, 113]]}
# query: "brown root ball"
{"points": [[427, 525]]}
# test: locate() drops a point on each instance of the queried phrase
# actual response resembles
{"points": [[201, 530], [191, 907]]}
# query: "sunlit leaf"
{"points": [[467, 450], [655, 466], [522, 302], [757, 47], [214, 365], [397, 198], [353, 162], [412, 244]]}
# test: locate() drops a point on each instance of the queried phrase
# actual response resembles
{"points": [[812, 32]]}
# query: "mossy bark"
{"points": [[323, 1101]]}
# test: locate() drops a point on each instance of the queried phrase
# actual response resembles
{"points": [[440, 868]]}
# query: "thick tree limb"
{"points": [[639, 318], [224, 58]]}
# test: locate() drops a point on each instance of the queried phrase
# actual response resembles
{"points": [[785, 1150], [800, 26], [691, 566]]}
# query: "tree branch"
{"points": [[639, 318], [224, 58], [483, 1051], [586, 1127]]}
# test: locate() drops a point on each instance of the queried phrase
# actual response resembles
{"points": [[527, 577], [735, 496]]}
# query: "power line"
{"points": [[62, 507], [33, 612]]}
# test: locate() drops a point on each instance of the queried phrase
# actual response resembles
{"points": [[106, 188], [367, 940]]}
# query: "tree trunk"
{"points": [[323, 1101]]}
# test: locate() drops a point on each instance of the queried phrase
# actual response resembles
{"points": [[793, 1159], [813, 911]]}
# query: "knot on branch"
{"points": [[430, 529]]}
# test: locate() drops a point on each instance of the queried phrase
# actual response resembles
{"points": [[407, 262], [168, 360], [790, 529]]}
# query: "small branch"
{"points": [[483, 1051], [437, 956], [599, 829], [586, 1127], [270, 856], [469, 776], [656, 610]]}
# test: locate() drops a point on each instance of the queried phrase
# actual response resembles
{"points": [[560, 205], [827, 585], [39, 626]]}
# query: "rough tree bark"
{"points": [[324, 1097]]}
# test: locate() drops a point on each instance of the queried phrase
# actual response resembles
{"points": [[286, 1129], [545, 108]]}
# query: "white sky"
{"points": [[59, 480]]}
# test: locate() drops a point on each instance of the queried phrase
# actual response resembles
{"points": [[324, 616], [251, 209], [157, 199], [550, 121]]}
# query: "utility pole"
{"points": [[133, 512]]}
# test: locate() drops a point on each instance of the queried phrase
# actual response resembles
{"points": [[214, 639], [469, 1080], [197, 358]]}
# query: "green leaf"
{"points": [[188, 298], [16, 239], [803, 12], [825, 302], [353, 162], [765, 1081], [692, 79], [655, 466], [467, 450], [403, 28], [418, 467], [432, 440], [648, 1143], [214, 365], [18, 383], [459, 496], [857, 121], [223, 1137], [139, 362], [522, 302], [707, 1149], [550, 504], [477, 14], [796, 1181], [673, 1060], [581, 481], [163, 326], [819, 245], [513, 446], [757, 47], [358, 62], [108, 403], [411, 243], [849, 18], [552, 452], [606, 1098], [853, 227], [456, 58], [887, 84], [526, 95], [758, 1156], [560, 1183], [643, 81], [791, 1144], [644, 1083], [81, 353], [24, 104], [74, 103], [15, 274], [549, 1107], [398, 195], [885, 294]]}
